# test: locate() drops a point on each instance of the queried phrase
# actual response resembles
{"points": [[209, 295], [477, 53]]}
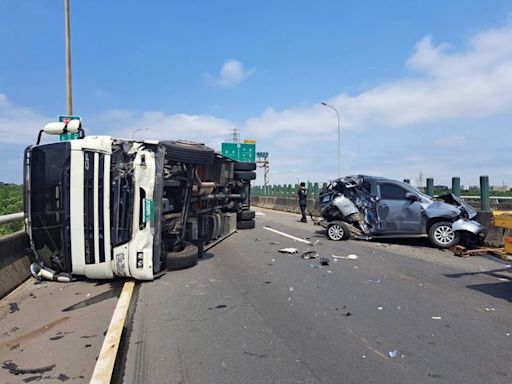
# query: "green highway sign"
{"points": [[239, 151], [68, 136]]}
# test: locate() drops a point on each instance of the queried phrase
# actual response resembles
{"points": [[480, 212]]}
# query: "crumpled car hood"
{"points": [[456, 201]]}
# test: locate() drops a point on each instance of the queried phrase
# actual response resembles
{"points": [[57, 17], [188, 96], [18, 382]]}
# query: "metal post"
{"points": [[456, 186], [315, 190], [339, 139], [430, 186], [485, 200], [69, 91]]}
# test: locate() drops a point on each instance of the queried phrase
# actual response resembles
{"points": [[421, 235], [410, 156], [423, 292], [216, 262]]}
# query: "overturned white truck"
{"points": [[103, 207]]}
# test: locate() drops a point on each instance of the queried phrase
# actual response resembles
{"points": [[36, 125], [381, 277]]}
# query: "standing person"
{"points": [[302, 197]]}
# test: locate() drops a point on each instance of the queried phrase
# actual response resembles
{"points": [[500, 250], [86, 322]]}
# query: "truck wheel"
{"points": [[183, 259], [441, 235], [245, 175], [245, 215], [240, 166], [246, 224], [338, 231], [188, 152]]}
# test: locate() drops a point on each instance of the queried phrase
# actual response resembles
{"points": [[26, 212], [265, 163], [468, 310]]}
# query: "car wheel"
{"points": [[442, 235], [245, 175], [183, 259], [188, 152], [246, 215], [246, 224], [242, 166], [338, 231]]}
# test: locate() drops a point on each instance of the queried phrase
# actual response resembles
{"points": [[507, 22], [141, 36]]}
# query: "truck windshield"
{"points": [[49, 203]]}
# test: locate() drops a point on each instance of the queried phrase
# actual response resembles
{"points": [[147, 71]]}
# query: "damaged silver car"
{"points": [[371, 207]]}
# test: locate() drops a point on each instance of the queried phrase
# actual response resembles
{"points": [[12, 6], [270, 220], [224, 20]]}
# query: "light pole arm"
{"points": [[339, 134]]}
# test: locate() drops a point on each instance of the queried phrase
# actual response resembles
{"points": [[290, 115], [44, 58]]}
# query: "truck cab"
{"points": [[102, 207]]}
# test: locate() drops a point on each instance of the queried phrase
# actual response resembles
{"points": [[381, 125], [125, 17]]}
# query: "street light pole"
{"points": [[339, 134], [137, 130], [68, 59]]}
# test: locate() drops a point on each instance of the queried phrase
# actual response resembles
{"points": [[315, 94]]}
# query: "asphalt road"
{"points": [[248, 314]]}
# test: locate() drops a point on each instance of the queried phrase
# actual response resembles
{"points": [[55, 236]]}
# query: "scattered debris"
{"points": [[314, 266], [380, 308], [489, 309], [324, 261], [436, 317], [309, 254], [316, 242], [274, 242], [292, 289], [374, 280], [348, 314], [392, 354], [289, 250], [13, 307], [13, 368]]}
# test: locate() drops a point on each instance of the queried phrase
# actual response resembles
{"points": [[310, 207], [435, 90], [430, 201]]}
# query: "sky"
{"points": [[421, 86]]}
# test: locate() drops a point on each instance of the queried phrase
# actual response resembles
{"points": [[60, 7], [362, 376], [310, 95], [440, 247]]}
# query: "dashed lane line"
{"points": [[287, 235]]}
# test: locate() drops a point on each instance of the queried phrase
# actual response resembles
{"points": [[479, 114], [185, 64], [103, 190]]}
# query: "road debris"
{"points": [[309, 254], [324, 261], [436, 317], [274, 242], [392, 354], [289, 250], [380, 308], [374, 280]]}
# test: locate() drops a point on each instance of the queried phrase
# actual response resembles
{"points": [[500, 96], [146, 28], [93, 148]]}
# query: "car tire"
{"points": [[245, 224], [241, 166], [338, 231], [183, 259], [245, 215], [441, 235], [245, 175], [188, 152]]}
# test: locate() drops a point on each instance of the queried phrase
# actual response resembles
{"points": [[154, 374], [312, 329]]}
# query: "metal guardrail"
{"points": [[13, 217], [491, 197]]}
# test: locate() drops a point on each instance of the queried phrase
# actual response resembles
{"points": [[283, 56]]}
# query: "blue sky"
{"points": [[422, 86]]}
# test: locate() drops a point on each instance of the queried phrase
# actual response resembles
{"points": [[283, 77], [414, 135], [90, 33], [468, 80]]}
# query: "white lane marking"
{"points": [[105, 364], [287, 235]]}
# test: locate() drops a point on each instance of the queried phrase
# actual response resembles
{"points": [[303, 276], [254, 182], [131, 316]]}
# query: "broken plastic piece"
{"points": [[374, 281], [436, 317], [392, 354], [309, 254], [324, 261], [289, 250]]}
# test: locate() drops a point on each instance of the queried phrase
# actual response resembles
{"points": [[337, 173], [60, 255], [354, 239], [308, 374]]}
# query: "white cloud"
{"points": [[231, 74], [19, 125]]}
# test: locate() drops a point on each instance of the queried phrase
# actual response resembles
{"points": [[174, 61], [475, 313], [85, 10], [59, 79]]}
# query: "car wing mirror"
{"points": [[412, 196]]}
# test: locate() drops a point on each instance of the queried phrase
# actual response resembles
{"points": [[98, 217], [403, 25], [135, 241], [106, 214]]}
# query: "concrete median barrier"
{"points": [[14, 264]]}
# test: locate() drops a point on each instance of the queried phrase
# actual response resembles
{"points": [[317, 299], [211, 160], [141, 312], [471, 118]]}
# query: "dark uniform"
{"points": [[302, 195]]}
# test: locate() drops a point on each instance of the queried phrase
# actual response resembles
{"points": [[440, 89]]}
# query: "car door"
{"points": [[396, 213]]}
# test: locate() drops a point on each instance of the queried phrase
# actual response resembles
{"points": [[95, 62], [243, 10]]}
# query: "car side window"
{"points": [[392, 192]]}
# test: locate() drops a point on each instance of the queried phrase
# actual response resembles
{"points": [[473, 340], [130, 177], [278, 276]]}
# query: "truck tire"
{"points": [[441, 235], [245, 215], [186, 258], [245, 175], [245, 224], [338, 231], [241, 166], [188, 152]]}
